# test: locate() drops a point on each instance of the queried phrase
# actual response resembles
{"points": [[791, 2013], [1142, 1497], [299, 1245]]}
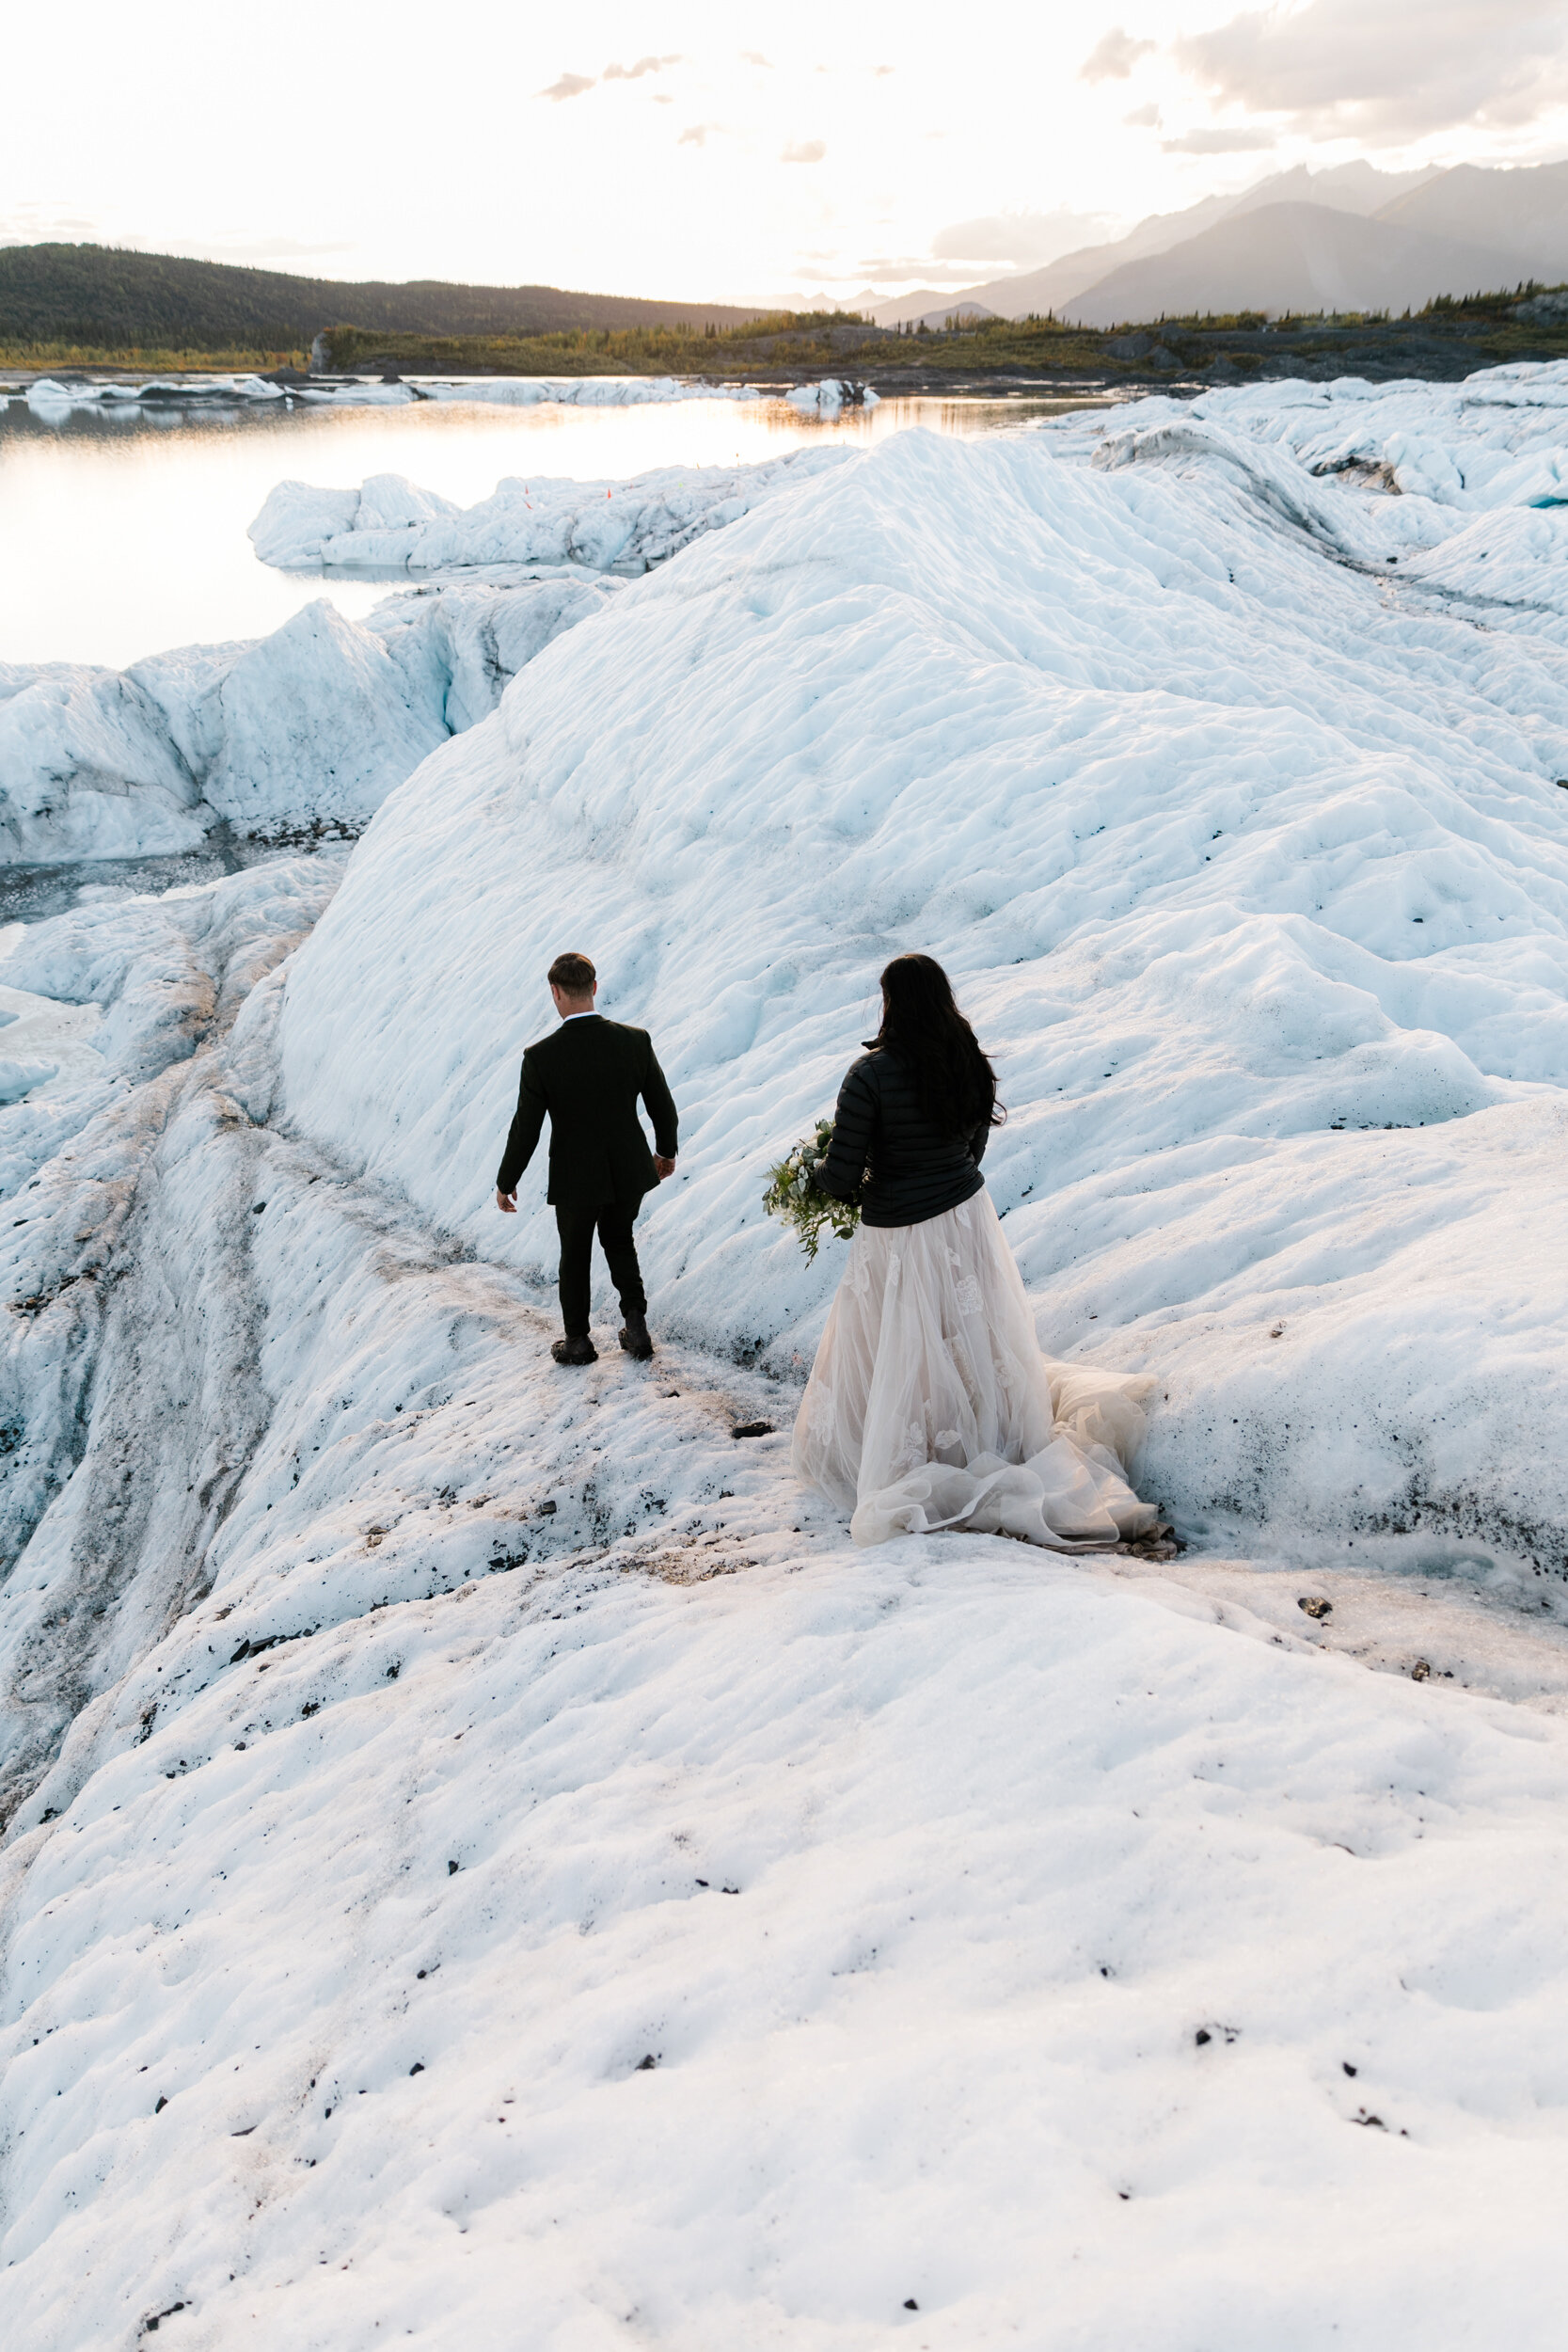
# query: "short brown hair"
{"points": [[574, 975]]}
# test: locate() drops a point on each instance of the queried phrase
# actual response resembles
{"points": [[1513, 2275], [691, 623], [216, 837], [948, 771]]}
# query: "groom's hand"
{"points": [[506, 1202], [665, 1167]]}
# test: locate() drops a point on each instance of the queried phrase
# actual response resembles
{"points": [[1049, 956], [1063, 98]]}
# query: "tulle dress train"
{"points": [[930, 1405]]}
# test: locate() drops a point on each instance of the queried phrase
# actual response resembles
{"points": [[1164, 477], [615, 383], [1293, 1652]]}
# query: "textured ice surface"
{"points": [[403, 1743], [88, 767], [1496, 439], [309, 728], [388, 524], [1253, 869], [315, 724]]}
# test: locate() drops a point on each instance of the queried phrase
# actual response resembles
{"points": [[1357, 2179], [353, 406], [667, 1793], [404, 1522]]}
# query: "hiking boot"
{"points": [[634, 1337], [574, 1351]]}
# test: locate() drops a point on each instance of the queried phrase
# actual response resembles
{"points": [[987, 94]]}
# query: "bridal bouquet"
{"points": [[793, 1195]]}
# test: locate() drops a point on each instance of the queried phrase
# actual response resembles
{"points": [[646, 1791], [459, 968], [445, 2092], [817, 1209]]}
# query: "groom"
{"points": [[587, 1077]]}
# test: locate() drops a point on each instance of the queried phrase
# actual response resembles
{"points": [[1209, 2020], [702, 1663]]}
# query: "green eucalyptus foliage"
{"points": [[793, 1196]]}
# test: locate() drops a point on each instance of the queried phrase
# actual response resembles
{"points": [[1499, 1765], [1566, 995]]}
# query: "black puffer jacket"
{"points": [[911, 1171]]}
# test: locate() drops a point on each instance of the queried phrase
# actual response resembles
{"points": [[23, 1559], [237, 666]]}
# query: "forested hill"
{"points": [[100, 295]]}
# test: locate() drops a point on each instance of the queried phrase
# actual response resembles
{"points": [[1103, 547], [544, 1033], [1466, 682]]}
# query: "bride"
{"points": [[929, 1404]]}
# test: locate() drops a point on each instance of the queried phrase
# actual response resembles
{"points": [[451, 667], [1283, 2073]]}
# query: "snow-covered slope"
{"points": [[403, 1743]]}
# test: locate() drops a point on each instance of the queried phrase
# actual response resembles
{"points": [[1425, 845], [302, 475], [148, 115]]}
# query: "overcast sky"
{"points": [[649, 149]]}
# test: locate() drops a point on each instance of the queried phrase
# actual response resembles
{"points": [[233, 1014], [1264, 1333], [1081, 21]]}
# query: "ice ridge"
{"points": [[389, 525], [300, 733]]}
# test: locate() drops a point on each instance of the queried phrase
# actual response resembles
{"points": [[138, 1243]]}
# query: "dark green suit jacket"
{"points": [[587, 1077]]}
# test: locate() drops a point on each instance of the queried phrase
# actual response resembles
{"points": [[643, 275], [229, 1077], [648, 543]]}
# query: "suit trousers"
{"points": [[575, 1224]]}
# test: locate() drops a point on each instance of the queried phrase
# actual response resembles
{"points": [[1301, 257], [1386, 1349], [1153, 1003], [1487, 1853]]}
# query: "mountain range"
{"points": [[1353, 238], [1350, 239]]}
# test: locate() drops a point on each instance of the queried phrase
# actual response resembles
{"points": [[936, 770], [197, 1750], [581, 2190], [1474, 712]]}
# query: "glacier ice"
{"points": [[1494, 440], [389, 525], [310, 727], [88, 767], [831, 393], [576, 391], [827, 396], [322, 715], [316, 724], [470, 639], [49, 398], [1255, 867], [402, 1745]]}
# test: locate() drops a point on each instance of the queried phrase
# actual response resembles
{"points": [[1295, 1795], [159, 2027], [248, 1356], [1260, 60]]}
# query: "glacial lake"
{"points": [[125, 534]]}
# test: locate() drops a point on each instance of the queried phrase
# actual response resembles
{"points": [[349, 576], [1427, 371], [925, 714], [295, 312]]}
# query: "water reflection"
{"points": [[123, 531]]}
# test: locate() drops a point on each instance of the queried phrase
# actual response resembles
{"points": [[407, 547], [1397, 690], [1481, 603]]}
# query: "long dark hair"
{"points": [[922, 1026]]}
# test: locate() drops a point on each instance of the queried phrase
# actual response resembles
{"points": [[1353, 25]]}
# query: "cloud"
{"points": [[695, 135], [1113, 58], [754, 56], [803, 152], [899, 268], [1385, 72], [42, 224], [1217, 142], [1142, 118], [573, 84], [635, 73], [1019, 240]]}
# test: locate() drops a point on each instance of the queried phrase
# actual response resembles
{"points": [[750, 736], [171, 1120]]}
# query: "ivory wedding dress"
{"points": [[930, 1405]]}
